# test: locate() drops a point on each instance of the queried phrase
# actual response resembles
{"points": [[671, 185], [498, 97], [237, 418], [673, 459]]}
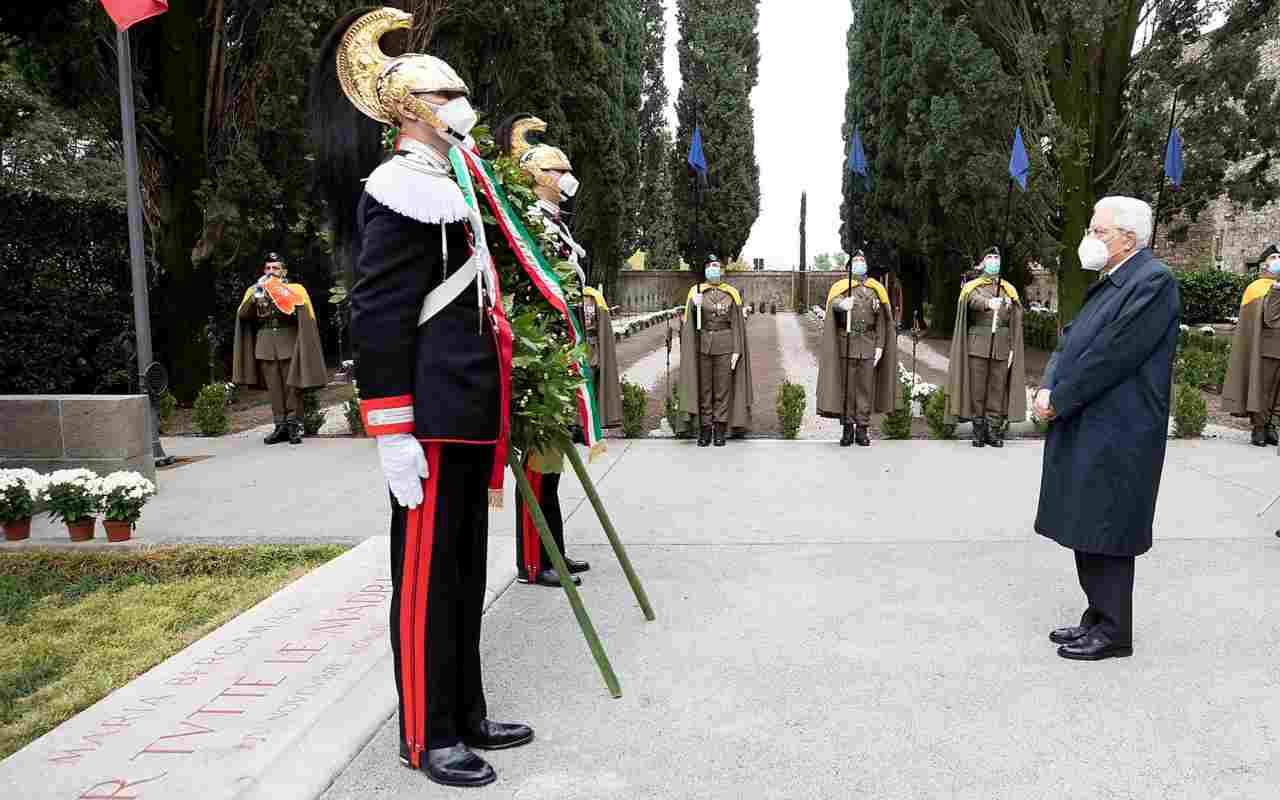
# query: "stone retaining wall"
{"points": [[103, 433], [640, 291]]}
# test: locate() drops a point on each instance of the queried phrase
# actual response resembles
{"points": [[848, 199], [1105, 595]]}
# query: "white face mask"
{"points": [[458, 115], [1273, 265], [713, 274], [859, 268], [1093, 253], [991, 266], [568, 185]]}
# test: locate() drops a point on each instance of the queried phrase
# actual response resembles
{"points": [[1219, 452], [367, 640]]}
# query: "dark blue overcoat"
{"points": [[1110, 381]]}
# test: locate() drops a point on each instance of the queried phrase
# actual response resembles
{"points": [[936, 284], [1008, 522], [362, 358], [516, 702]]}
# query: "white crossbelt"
{"points": [[444, 294]]}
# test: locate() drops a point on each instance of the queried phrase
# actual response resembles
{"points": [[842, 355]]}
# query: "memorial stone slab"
{"points": [[271, 705]]}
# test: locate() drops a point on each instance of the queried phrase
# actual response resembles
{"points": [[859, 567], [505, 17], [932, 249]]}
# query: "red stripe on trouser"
{"points": [[532, 542], [415, 583]]}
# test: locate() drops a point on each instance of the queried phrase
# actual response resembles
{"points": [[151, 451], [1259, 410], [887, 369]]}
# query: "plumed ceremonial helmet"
{"points": [[385, 88], [536, 158]]}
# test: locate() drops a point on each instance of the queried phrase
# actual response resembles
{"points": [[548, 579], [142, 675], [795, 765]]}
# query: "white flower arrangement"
{"points": [[70, 494], [19, 491], [921, 389], [121, 495]]}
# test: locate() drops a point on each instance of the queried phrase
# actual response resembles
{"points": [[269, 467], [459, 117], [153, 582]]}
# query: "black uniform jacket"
{"points": [[446, 371]]}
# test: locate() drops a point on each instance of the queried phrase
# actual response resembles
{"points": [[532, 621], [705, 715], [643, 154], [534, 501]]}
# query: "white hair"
{"points": [[1129, 214]]}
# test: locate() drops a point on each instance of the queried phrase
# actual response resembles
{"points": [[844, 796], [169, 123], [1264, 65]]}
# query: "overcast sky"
{"points": [[799, 108]]}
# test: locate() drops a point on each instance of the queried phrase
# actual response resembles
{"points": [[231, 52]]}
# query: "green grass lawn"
{"points": [[77, 625]]}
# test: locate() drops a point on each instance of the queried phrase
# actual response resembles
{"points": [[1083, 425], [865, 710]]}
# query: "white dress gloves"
{"points": [[733, 361], [879, 352], [405, 466]]}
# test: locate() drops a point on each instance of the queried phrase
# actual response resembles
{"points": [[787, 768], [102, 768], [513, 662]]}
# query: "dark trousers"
{"points": [[546, 487], [1108, 583], [439, 552]]}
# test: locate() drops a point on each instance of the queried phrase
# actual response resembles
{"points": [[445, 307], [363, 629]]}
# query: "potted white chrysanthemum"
{"points": [[19, 490], [70, 495], [121, 496]]}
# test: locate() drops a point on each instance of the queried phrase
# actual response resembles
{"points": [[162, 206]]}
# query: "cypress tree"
{"points": [[719, 60], [655, 220]]}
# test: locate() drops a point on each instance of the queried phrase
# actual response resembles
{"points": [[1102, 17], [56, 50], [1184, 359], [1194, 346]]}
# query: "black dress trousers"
{"points": [[1108, 583], [546, 487]]}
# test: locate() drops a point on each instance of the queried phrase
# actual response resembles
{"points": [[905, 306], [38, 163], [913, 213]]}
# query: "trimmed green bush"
{"points": [[166, 406], [1040, 330], [897, 424], [210, 410], [790, 406], [312, 416], [1202, 360], [1190, 412], [635, 402], [935, 416], [1210, 295]]}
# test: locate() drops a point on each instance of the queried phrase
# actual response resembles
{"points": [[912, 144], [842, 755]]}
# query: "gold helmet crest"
{"points": [[537, 159], [383, 87]]}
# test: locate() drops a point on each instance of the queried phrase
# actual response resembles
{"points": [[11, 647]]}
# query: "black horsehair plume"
{"points": [[346, 144]]}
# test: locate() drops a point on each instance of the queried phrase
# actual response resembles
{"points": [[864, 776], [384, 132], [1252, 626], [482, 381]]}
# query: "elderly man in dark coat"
{"points": [[1106, 391]]}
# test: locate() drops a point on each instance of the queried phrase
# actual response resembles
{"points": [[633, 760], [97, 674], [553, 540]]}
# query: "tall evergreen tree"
{"points": [[719, 61], [655, 225]]}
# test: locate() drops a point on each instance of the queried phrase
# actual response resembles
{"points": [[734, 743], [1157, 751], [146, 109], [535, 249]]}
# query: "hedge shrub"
{"points": [[897, 424], [935, 416], [1040, 330], [790, 407], [210, 410], [635, 402], [1210, 295], [1190, 412]]}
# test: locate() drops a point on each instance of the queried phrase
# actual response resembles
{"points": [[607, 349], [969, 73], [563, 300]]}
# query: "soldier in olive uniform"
{"points": [[987, 378], [713, 341], [1252, 387], [277, 343], [855, 378]]}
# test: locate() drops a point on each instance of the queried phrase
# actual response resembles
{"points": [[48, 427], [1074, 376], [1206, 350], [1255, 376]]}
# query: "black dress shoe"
{"points": [[863, 436], [576, 566], [548, 577], [498, 735], [457, 766], [846, 437], [995, 436], [280, 434], [1069, 634], [721, 428], [979, 433], [704, 436], [1259, 437], [1094, 647], [295, 432]]}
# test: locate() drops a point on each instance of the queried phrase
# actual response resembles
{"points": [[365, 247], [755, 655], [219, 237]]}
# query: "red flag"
{"points": [[128, 13]]}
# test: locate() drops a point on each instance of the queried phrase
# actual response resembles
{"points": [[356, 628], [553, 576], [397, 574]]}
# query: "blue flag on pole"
{"points": [[1019, 164], [1173, 158], [858, 158], [697, 159]]}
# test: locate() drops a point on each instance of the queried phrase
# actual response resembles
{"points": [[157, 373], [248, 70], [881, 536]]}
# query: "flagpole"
{"points": [[137, 258], [699, 276], [1155, 218]]}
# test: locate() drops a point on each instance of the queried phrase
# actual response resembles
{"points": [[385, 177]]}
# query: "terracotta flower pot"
{"points": [[118, 531], [17, 530], [81, 531]]}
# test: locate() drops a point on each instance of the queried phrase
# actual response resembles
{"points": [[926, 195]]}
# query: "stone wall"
{"points": [[652, 290], [103, 433], [1224, 236]]}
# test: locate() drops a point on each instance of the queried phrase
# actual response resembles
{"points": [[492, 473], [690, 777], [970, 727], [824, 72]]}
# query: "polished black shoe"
{"points": [[548, 577], [704, 436], [576, 566], [498, 735], [280, 434], [846, 437], [721, 428], [1273, 438], [979, 433], [995, 436], [863, 436], [1258, 439], [1094, 647], [295, 432], [456, 766], [1069, 634]]}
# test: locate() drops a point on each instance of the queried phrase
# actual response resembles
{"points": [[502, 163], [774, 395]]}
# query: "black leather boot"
{"points": [[863, 436], [295, 431], [576, 566], [704, 436], [280, 434], [979, 432], [995, 435], [846, 437], [1258, 439], [721, 428], [457, 766]]}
